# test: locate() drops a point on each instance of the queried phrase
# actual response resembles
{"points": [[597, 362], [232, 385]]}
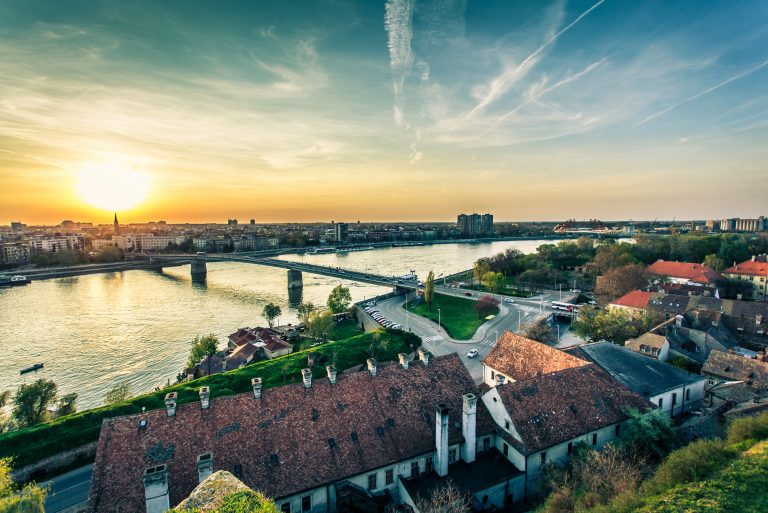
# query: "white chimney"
{"points": [[758, 319], [156, 489], [441, 439], [372, 366], [306, 374], [205, 397], [678, 320], [331, 370], [204, 466], [424, 356], [170, 403], [468, 427], [256, 384], [403, 360]]}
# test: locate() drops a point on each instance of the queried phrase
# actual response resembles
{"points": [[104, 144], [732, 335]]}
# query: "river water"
{"points": [[94, 331]]}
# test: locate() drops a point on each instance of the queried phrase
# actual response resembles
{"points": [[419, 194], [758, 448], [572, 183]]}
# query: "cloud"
{"points": [[398, 22], [705, 92]]}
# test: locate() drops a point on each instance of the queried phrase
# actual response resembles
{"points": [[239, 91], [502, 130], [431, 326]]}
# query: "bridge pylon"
{"points": [[198, 267], [295, 279]]}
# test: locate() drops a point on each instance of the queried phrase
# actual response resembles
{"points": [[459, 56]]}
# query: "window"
{"points": [[415, 469], [674, 398], [285, 507], [452, 456], [428, 466], [505, 449], [543, 457], [486, 444], [493, 375], [570, 447], [389, 477], [688, 394], [371, 481], [306, 504], [594, 438], [661, 402], [506, 425], [618, 429]]}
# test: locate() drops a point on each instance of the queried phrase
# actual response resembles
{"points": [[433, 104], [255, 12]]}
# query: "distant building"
{"points": [[17, 226], [684, 273], [341, 232], [754, 271], [14, 253], [253, 222], [116, 225], [56, 243], [475, 225], [231, 222], [736, 224]]}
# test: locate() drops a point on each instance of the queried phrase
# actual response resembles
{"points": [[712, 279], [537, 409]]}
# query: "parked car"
{"points": [[468, 294], [509, 300], [472, 353]]}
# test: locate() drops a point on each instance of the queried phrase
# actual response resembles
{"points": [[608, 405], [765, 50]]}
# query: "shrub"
{"points": [[694, 462], [749, 428]]}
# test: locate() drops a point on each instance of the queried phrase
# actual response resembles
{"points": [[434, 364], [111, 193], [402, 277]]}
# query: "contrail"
{"points": [[706, 91]]}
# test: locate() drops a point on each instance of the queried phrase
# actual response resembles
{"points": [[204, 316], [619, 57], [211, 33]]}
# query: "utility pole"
{"points": [[439, 324]]}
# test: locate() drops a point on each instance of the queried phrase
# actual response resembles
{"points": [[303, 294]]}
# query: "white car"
{"points": [[472, 353], [509, 300]]}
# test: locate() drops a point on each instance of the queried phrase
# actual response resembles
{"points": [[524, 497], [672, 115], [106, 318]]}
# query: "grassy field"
{"points": [[35, 443], [457, 315], [341, 330]]}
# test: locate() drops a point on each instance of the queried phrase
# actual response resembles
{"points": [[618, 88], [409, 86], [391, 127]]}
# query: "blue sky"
{"points": [[383, 110]]}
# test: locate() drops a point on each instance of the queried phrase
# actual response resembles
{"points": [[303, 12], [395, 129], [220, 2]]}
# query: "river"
{"points": [[94, 331]]}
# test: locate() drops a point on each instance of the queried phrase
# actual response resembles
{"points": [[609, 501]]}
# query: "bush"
{"points": [[749, 428], [695, 462]]}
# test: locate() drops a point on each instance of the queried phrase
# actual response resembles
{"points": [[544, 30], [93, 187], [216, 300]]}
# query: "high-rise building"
{"points": [[341, 230], [475, 225]]}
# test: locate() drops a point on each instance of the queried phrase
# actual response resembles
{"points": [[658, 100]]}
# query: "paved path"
{"points": [[68, 489]]}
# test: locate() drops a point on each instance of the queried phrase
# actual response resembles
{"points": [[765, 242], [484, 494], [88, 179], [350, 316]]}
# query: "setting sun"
{"points": [[112, 186]]}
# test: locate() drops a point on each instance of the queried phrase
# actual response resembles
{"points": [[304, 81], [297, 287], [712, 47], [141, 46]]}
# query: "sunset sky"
{"points": [[382, 110]]}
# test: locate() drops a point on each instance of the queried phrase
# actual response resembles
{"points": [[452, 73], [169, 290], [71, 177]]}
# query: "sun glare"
{"points": [[112, 186]]}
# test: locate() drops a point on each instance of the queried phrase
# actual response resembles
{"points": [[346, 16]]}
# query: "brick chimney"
{"points": [[306, 374], [424, 356], [156, 489], [256, 384], [170, 403], [758, 319], [403, 360], [441, 439], [204, 466], [372, 366], [468, 427], [331, 371], [205, 397]]}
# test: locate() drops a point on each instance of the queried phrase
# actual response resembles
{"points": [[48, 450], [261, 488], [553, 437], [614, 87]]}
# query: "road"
{"points": [[68, 489], [435, 339]]}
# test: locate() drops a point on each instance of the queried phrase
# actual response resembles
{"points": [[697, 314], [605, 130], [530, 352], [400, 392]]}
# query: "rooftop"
{"points": [[757, 266], [291, 439], [646, 376], [647, 343], [522, 358], [735, 367], [635, 299], [697, 273], [550, 409]]}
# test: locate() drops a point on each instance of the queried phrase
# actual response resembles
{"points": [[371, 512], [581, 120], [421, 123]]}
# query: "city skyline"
{"points": [[390, 111]]}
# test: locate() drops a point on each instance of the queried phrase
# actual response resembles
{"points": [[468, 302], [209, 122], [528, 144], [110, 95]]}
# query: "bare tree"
{"points": [[447, 499]]}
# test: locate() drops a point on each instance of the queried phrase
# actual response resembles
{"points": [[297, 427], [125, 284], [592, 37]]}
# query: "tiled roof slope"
{"points": [[553, 408], [757, 267], [685, 270], [736, 367], [522, 358], [292, 439], [634, 299]]}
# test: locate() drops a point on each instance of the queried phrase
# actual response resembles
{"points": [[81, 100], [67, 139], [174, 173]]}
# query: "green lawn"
{"points": [[457, 315], [344, 329], [32, 444]]}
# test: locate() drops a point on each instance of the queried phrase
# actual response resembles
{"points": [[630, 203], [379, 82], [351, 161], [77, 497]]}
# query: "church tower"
{"points": [[117, 225]]}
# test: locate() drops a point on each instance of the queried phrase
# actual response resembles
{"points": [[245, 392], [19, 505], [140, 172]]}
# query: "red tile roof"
{"points": [[522, 358], [551, 409], [292, 439], [749, 268], [635, 299], [697, 273], [735, 367]]}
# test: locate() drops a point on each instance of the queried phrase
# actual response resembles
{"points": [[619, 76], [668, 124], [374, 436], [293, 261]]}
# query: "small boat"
{"points": [[15, 281], [35, 367]]}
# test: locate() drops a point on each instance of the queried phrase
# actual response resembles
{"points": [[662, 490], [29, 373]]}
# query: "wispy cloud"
{"points": [[398, 21], [705, 92]]}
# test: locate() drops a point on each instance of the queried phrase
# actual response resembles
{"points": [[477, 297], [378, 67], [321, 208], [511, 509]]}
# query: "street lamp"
{"points": [[497, 337], [439, 324]]}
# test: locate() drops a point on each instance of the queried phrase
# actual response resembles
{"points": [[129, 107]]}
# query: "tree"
{"points": [[447, 499], [650, 434], [611, 324], [493, 281], [715, 262], [320, 324], [540, 331], [485, 305], [339, 299], [730, 288], [30, 406], [202, 348], [617, 281], [29, 499], [304, 310], [118, 394], [66, 405], [481, 268], [429, 289], [271, 312], [6, 421]]}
